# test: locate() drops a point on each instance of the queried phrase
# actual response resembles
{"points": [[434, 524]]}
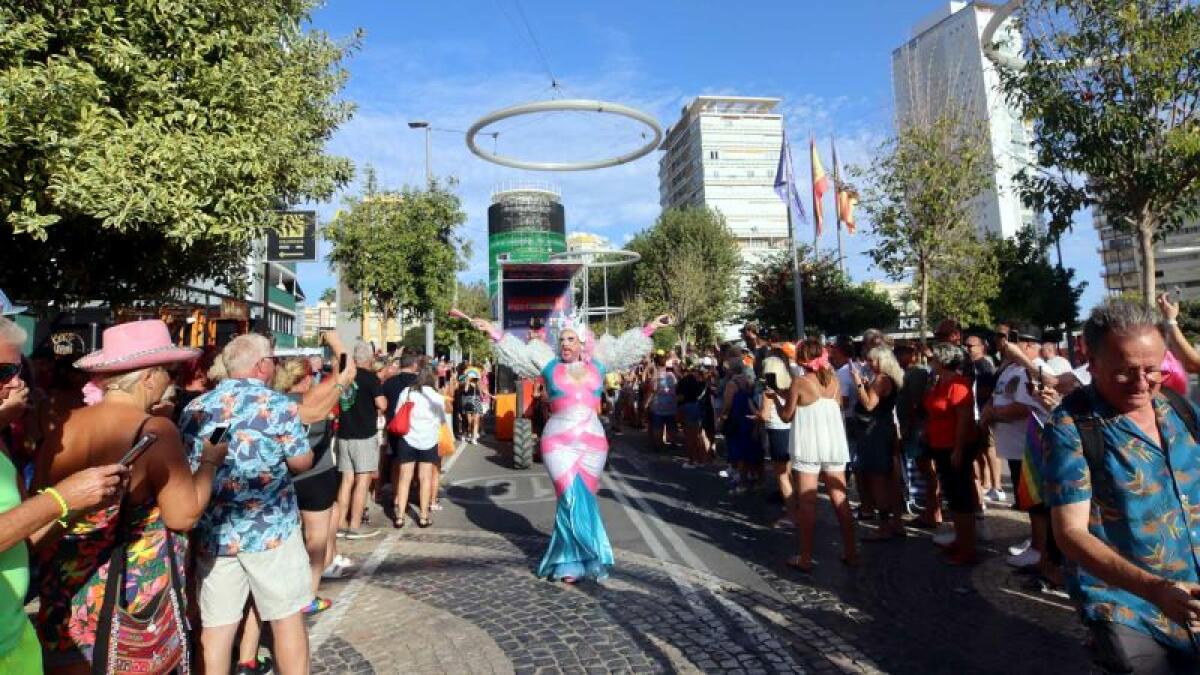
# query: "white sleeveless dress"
{"points": [[818, 434]]}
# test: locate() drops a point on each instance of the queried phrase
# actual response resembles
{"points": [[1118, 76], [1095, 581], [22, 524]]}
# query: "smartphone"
{"points": [[217, 435], [138, 448], [1176, 293], [1039, 384], [772, 381], [342, 362]]}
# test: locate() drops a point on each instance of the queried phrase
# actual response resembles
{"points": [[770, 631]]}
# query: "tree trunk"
{"points": [[1145, 234], [923, 271], [383, 317]]}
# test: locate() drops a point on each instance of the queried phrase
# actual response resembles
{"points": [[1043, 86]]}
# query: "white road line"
{"points": [[453, 458], [328, 622], [645, 516]]}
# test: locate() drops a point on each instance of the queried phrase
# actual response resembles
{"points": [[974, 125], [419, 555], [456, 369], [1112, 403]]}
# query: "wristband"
{"points": [[1171, 322], [62, 503]]}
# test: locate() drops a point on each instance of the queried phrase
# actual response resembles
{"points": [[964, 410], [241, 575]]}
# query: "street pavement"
{"points": [[700, 585]]}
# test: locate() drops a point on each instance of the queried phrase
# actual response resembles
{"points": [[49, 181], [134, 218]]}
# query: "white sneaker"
{"points": [[1001, 496], [945, 537], [334, 571], [1020, 548], [342, 561], [991, 495], [1027, 558]]}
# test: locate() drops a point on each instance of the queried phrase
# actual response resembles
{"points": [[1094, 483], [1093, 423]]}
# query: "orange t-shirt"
{"points": [[940, 404]]}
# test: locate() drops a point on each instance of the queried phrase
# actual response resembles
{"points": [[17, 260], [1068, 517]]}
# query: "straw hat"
{"points": [[135, 345]]}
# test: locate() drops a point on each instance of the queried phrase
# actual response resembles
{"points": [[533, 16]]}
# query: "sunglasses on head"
{"points": [[8, 371]]}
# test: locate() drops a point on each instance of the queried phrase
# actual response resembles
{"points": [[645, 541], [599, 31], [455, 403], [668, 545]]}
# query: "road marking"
{"points": [[644, 517], [328, 622]]}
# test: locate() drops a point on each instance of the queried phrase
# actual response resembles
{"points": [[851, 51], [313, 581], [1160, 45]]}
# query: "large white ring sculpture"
{"points": [[594, 257], [567, 105], [988, 39]]}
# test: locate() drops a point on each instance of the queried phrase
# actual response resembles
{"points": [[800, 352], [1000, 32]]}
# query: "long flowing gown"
{"points": [[574, 447]]}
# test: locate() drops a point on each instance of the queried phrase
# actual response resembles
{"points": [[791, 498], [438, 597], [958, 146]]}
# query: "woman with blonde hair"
{"points": [[818, 449], [875, 411], [130, 375]]}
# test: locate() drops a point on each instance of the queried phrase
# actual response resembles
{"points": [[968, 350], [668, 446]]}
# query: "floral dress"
{"points": [[72, 573]]}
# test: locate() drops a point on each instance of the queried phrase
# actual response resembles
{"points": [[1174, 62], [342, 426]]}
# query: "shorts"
{"points": [[404, 453], [278, 579], [692, 415], [819, 467], [778, 441], [318, 492], [958, 484], [358, 455], [658, 421], [1117, 648], [26, 655]]}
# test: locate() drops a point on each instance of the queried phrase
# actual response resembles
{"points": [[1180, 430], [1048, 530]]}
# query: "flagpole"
{"points": [[797, 289], [816, 209], [837, 213]]}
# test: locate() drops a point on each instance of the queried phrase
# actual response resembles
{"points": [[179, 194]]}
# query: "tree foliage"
{"points": [[399, 250], [143, 145], [917, 196], [473, 301], [1032, 290], [832, 305], [689, 268], [329, 295], [1113, 88]]}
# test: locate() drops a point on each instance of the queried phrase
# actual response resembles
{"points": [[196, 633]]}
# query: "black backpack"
{"points": [[1092, 438]]}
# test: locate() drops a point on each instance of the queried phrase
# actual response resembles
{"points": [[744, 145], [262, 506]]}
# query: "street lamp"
{"points": [[423, 124]]}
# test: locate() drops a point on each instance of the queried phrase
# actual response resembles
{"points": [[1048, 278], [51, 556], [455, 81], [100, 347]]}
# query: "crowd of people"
{"points": [[146, 483], [150, 484]]}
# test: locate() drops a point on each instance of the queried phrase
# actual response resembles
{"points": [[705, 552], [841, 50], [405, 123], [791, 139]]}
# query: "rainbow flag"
{"points": [[1029, 487]]}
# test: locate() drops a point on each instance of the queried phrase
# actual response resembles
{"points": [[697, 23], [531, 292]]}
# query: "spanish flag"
{"points": [[820, 183]]}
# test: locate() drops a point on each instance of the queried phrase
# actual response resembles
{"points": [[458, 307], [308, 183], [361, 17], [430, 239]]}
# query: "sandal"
{"points": [[794, 563], [398, 521], [424, 522]]}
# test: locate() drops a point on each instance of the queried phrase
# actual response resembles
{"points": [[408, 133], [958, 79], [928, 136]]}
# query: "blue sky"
{"points": [[452, 62]]}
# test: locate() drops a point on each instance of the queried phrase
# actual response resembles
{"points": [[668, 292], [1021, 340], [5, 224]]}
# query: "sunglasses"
{"points": [[8, 371]]}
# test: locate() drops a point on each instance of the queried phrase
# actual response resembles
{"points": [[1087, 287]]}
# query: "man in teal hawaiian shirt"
{"points": [[249, 538], [1132, 529]]}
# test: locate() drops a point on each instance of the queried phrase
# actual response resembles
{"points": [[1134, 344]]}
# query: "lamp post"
{"points": [[422, 124]]}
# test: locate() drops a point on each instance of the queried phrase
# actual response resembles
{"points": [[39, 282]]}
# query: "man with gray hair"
{"points": [[249, 541], [358, 443], [1122, 477]]}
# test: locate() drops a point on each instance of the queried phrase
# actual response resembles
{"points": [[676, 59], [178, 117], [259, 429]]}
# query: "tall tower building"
{"points": [[723, 153], [526, 223], [943, 65]]}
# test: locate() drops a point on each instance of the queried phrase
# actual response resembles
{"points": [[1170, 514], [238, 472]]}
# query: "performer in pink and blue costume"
{"points": [[574, 447]]}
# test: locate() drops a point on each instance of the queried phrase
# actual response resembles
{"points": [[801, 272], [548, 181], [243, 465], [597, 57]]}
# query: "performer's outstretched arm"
{"points": [[626, 350], [527, 359]]}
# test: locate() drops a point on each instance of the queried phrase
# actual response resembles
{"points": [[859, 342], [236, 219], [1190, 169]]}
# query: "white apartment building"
{"points": [[943, 65], [723, 152], [319, 318], [1176, 259]]}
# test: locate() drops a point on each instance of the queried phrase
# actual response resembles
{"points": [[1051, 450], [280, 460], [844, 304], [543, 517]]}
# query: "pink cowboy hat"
{"points": [[135, 345]]}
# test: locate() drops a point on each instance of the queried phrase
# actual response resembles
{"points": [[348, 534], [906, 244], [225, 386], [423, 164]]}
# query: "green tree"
{"points": [[689, 268], [1113, 88], [832, 305], [917, 197], [1032, 290], [399, 250], [328, 295], [472, 300], [144, 145]]}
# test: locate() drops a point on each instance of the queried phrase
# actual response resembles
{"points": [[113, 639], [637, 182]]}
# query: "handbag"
{"points": [[152, 640], [445, 441], [401, 422]]}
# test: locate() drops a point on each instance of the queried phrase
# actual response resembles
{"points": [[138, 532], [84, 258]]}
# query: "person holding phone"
{"points": [[162, 491]]}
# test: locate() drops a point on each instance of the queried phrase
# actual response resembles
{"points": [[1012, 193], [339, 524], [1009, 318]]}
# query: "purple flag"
{"points": [[785, 183]]}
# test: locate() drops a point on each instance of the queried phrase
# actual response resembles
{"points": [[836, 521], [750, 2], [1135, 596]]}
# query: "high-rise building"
{"points": [[943, 66], [319, 318], [1176, 259], [723, 153], [526, 223]]}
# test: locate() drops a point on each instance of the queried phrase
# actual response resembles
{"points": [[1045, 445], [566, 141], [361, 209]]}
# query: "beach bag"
{"points": [[401, 422], [148, 642]]}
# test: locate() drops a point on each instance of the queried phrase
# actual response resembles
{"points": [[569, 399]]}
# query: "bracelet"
{"points": [[1171, 322], [62, 503]]}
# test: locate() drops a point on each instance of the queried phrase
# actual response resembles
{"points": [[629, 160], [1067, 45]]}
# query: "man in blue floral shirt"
{"points": [[249, 538], [1122, 476]]}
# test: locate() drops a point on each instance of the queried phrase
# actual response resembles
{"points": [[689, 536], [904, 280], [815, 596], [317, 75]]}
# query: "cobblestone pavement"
{"points": [[699, 586]]}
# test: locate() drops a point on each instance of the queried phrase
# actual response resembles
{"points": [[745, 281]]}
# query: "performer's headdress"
{"points": [[558, 325]]}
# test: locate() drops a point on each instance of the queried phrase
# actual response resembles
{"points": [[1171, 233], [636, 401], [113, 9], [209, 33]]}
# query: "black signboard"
{"points": [[294, 237]]}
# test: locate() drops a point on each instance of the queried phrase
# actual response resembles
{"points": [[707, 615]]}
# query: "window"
{"points": [[714, 154]]}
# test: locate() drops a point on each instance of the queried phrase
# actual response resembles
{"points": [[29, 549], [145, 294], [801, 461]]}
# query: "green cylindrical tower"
{"points": [[525, 224]]}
